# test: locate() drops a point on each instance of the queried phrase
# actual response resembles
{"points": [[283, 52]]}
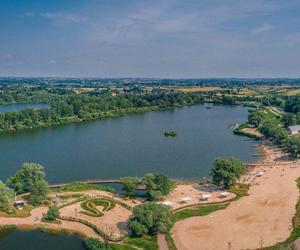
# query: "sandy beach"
{"points": [[263, 218]]}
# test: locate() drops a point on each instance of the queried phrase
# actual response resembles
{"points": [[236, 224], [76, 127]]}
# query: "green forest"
{"points": [[67, 106]]}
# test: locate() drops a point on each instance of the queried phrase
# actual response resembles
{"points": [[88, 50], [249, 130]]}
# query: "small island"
{"points": [[170, 133]]}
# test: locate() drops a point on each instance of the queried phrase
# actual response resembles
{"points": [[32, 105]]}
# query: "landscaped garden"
{"points": [[91, 206]]}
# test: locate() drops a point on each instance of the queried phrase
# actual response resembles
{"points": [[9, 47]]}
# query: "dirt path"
{"points": [[261, 219], [34, 221], [161, 241]]}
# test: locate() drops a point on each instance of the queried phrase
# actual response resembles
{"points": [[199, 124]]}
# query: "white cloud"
{"points": [[63, 17], [262, 28], [59, 18]]}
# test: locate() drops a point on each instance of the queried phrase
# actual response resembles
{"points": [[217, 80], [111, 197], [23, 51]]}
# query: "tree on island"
{"points": [[170, 133], [52, 214], [150, 218], [157, 185], [129, 184], [6, 198], [30, 178], [226, 171]]}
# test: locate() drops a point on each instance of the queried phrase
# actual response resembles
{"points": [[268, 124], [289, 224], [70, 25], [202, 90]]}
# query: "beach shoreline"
{"points": [[263, 218]]}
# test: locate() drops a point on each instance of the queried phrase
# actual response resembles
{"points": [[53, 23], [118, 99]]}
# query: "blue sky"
{"points": [[150, 38]]}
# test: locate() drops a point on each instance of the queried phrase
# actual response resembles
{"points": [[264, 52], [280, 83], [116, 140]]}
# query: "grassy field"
{"points": [[146, 242], [200, 210], [170, 242]]}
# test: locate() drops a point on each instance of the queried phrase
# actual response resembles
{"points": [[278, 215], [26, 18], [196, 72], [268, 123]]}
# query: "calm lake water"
{"points": [[20, 106], [33, 240], [130, 145]]}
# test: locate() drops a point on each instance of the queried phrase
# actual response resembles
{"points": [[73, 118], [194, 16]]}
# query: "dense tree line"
{"points": [[276, 130], [69, 107], [157, 185], [233, 100], [27, 94], [151, 82], [292, 104]]}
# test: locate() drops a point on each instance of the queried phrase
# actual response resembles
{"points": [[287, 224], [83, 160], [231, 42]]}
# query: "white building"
{"points": [[294, 129]]}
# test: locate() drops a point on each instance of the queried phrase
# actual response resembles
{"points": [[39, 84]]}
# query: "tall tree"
{"points": [[129, 184], [288, 119], [255, 118], [157, 185], [30, 178], [151, 218], [226, 171], [38, 192], [6, 198]]}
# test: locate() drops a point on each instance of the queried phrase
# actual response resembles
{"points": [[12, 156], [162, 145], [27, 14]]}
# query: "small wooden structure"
{"points": [[19, 203]]}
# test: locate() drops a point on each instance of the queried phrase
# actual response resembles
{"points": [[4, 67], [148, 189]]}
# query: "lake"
{"points": [[21, 106], [130, 145], [34, 240]]}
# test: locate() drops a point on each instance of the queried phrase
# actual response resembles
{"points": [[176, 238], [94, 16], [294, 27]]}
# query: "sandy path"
{"points": [[262, 218], [113, 221], [162, 243]]}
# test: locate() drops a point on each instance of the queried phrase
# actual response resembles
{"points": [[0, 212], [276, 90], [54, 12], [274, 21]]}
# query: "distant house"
{"points": [[294, 129]]}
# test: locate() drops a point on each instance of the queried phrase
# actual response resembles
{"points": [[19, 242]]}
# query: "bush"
{"points": [[94, 244], [52, 214], [292, 147], [129, 184]]}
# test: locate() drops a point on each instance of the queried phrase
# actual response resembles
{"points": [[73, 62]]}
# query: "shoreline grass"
{"points": [[82, 186]]}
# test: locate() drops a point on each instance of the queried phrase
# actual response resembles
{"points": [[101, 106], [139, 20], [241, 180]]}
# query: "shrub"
{"points": [[90, 206], [94, 244], [52, 214]]}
